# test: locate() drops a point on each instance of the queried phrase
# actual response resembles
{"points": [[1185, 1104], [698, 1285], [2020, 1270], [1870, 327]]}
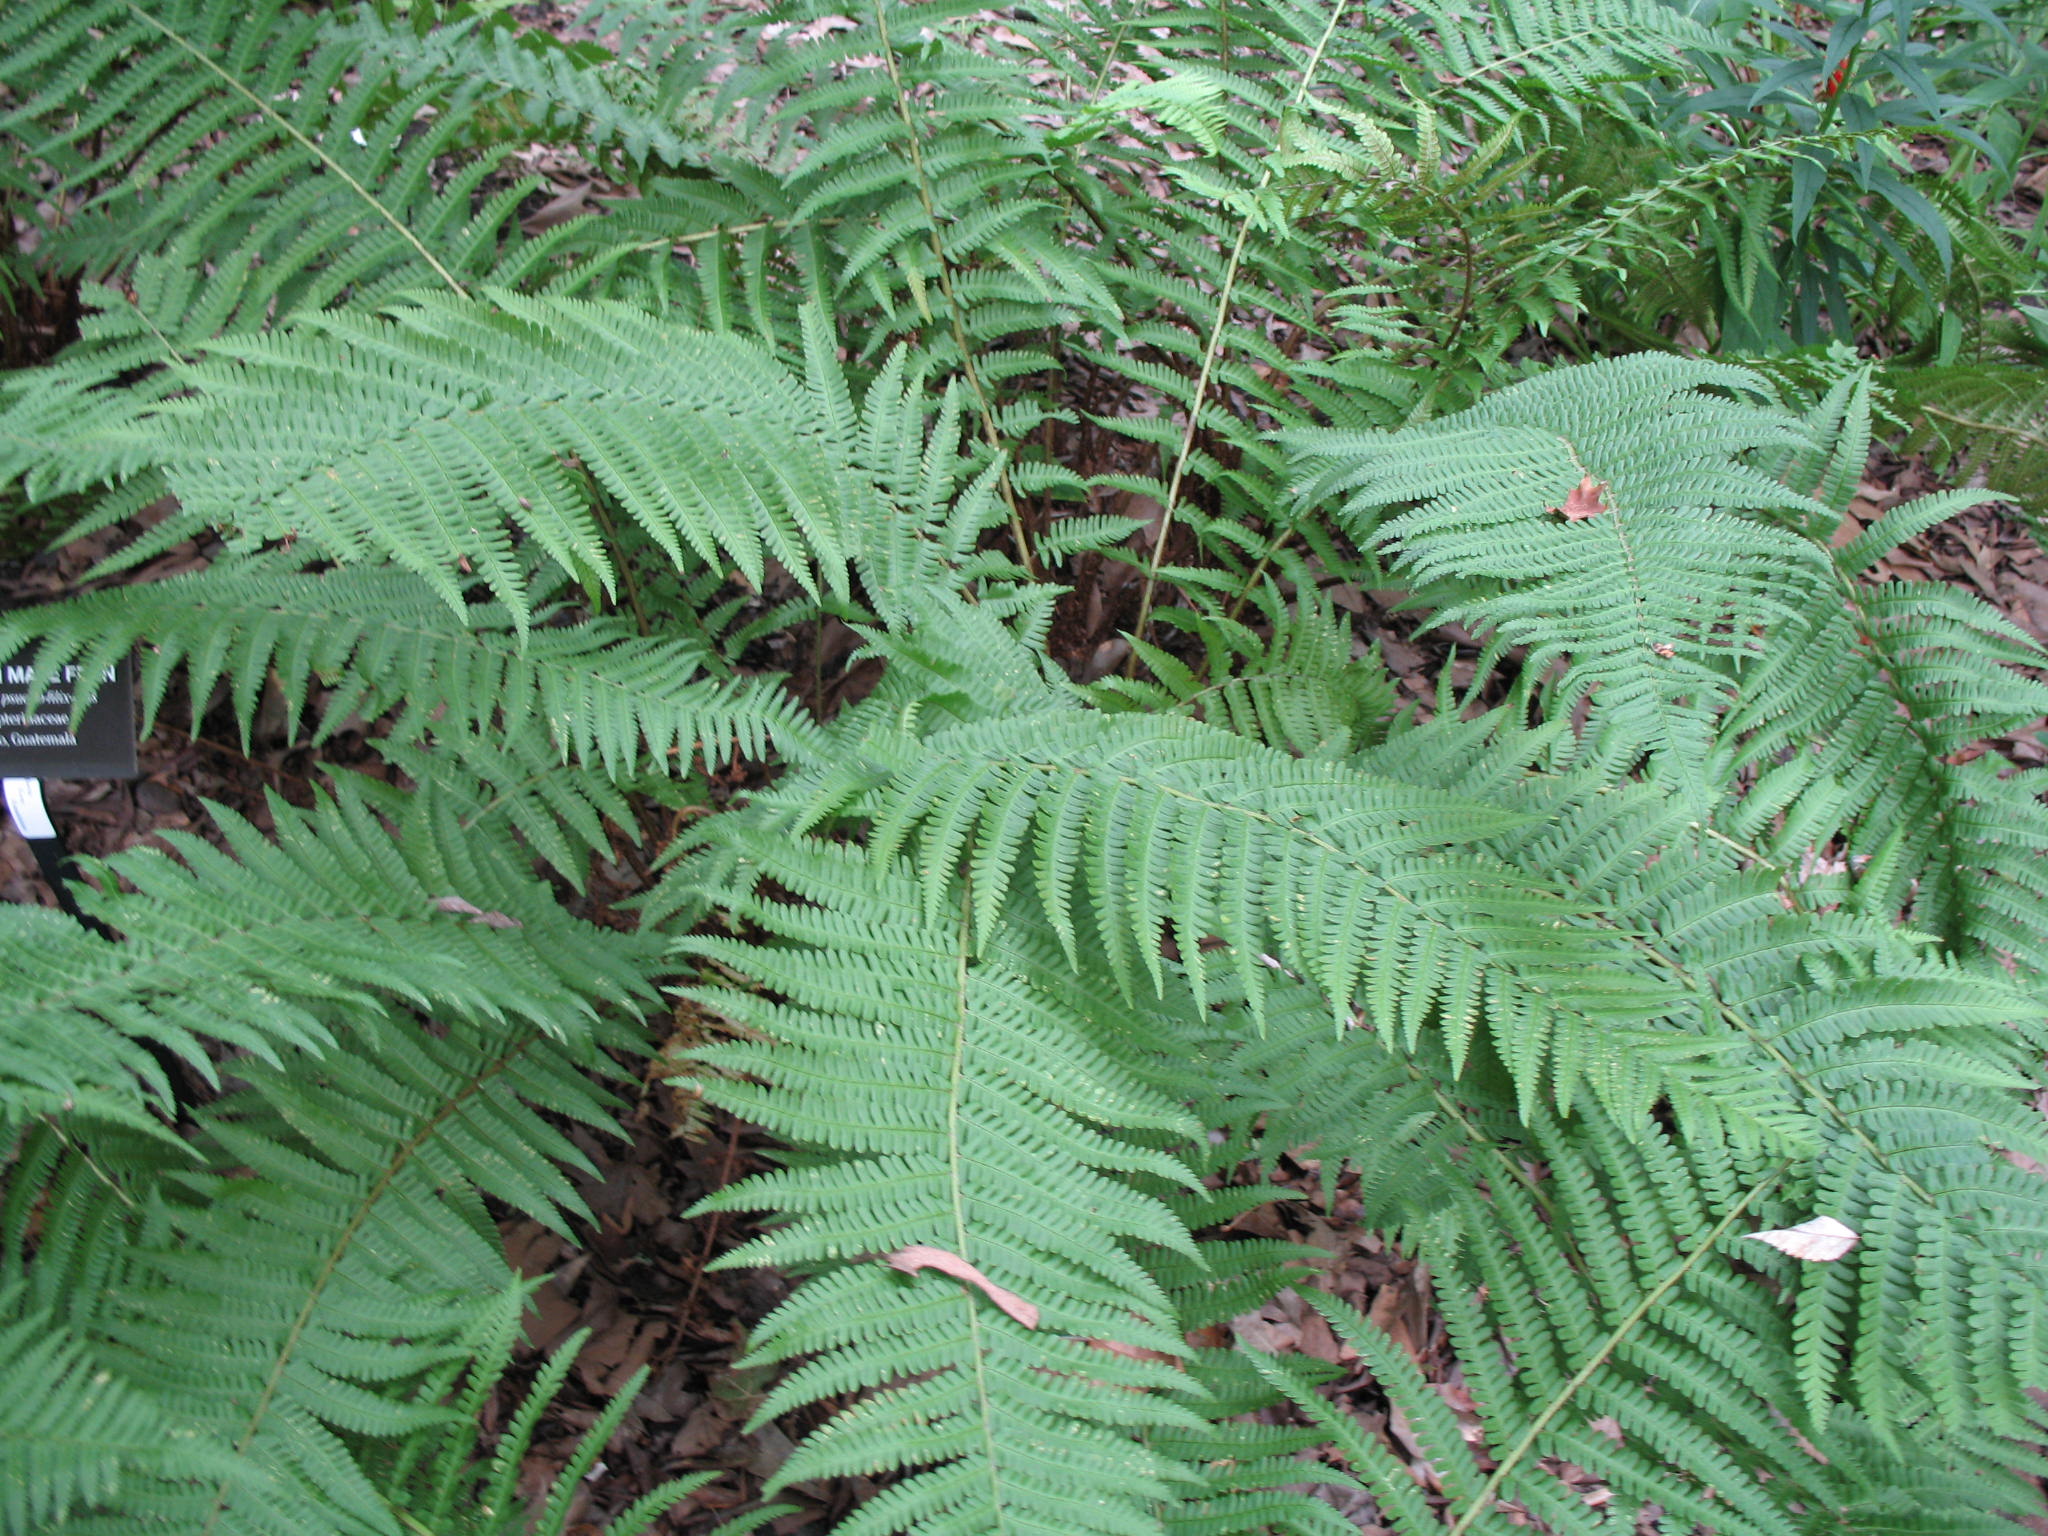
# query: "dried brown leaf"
{"points": [[920, 1256], [475, 914], [1586, 500], [1133, 1351]]}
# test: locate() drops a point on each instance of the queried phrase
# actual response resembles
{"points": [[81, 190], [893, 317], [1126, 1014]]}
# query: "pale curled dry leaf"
{"points": [[1821, 1240], [919, 1256], [475, 913]]}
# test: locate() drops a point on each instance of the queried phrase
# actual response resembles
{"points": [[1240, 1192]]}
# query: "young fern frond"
{"points": [[436, 1481], [1300, 689]]}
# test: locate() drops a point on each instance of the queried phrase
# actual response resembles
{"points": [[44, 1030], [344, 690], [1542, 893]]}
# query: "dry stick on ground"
{"points": [[732, 1147]]}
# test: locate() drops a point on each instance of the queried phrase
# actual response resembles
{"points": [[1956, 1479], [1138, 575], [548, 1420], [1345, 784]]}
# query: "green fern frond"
{"points": [[625, 96], [1141, 829], [1885, 735], [437, 1482], [1299, 688], [963, 1101], [1889, 1070], [1984, 421], [254, 947], [1497, 56], [427, 437], [72, 1431], [271, 160], [342, 1254], [1636, 1298], [1598, 516], [378, 639]]}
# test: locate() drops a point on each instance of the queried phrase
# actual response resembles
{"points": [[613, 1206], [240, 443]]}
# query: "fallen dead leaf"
{"points": [[1585, 500], [1132, 1351], [474, 913], [1821, 1240], [921, 1256]]}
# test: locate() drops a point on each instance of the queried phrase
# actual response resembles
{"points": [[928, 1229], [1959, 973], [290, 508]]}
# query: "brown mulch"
{"points": [[637, 1282]]}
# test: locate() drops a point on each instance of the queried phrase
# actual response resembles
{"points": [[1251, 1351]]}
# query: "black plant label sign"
{"points": [[41, 744]]}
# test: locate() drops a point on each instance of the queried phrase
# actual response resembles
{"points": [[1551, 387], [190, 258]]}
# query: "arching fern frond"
{"points": [[1864, 722], [268, 157], [1145, 829], [1635, 1299], [429, 436], [963, 1103], [325, 1253], [1889, 1073], [1500, 55], [628, 96], [378, 639], [1568, 1254], [256, 948], [71, 1431], [1598, 516]]}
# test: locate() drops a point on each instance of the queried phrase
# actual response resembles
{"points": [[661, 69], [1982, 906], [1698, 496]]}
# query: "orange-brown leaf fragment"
{"points": [[920, 1256], [1132, 1351], [1586, 500]]}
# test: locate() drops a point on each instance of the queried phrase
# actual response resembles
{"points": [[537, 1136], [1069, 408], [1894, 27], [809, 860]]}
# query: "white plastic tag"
{"points": [[25, 806]]}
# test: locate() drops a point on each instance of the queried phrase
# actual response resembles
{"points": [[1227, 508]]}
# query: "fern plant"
{"points": [[1688, 911]]}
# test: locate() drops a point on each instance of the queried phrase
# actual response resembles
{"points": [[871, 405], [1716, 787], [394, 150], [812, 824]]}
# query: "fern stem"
{"points": [[960, 339], [711, 1225], [1974, 424], [1483, 1500], [1214, 351], [1244, 592], [699, 236], [285, 126], [620, 556], [956, 1080], [80, 1151]]}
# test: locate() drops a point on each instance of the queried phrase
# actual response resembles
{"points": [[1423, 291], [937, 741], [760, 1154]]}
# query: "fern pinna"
{"points": [[1040, 910]]}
